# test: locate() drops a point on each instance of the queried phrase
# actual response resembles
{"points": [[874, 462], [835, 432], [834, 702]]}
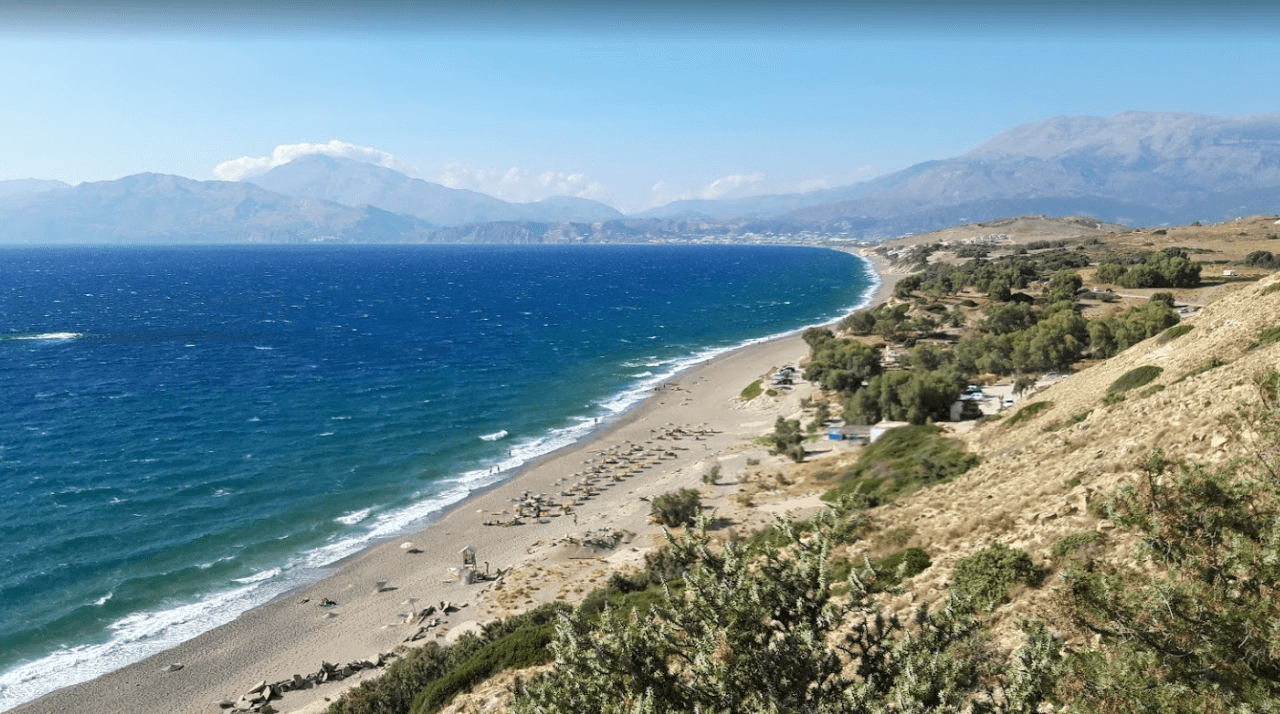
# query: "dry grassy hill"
{"points": [[1042, 479]]}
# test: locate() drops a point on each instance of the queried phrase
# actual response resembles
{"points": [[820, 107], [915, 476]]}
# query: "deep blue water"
{"points": [[188, 432]]}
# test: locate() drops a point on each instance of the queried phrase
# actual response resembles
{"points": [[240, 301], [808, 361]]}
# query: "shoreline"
{"points": [[290, 635]]}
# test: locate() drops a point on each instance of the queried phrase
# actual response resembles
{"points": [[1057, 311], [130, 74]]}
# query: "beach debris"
{"points": [[327, 603], [380, 586], [409, 547], [258, 700], [172, 667]]}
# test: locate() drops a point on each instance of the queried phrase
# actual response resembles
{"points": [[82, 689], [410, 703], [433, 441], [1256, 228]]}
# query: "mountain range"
{"points": [[1134, 168]]}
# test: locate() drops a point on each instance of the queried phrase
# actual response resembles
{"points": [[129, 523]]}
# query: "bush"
{"points": [[1028, 413], [1055, 426], [1070, 544], [896, 567], [1195, 611], [1213, 363], [985, 577], [1269, 336], [1175, 332], [1135, 378], [758, 634], [676, 508], [901, 461], [526, 647], [751, 391], [1262, 259], [429, 676], [712, 475], [787, 438]]}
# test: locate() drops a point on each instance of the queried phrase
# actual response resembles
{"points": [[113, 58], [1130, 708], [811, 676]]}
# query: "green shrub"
{"points": [[1153, 389], [1271, 335], [1074, 542], [896, 567], [901, 461], [1028, 413], [787, 439], [1112, 398], [985, 577], [751, 391], [525, 647], [712, 475], [1273, 287], [1070, 422], [1135, 378], [1213, 363], [676, 508], [446, 671], [1186, 625], [1175, 332]]}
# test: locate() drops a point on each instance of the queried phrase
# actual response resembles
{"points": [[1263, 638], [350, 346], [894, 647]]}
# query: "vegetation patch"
{"points": [[1175, 332], [1214, 362], [1153, 389], [787, 439], [751, 391], [984, 578], [1028, 413], [429, 677], [901, 461], [1070, 422], [907, 563], [1073, 543], [676, 508], [1135, 378], [1202, 608], [1263, 259], [1269, 336], [1273, 287]]}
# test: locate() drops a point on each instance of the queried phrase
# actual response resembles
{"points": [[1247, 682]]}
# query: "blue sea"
{"points": [[189, 432]]}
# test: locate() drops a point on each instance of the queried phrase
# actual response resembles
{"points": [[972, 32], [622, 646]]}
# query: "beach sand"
{"points": [[294, 635]]}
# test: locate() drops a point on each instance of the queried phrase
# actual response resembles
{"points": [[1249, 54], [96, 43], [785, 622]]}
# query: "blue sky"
{"points": [[632, 108]]}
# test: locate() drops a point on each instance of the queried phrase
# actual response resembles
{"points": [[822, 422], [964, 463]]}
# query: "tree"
{"points": [[1109, 273], [1007, 318], [839, 364], [676, 508], [788, 439], [1064, 284]]}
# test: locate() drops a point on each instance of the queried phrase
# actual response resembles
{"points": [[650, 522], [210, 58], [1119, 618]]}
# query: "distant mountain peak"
{"points": [[356, 183]]}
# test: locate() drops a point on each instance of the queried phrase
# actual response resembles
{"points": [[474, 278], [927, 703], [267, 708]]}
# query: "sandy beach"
{"points": [[695, 421]]}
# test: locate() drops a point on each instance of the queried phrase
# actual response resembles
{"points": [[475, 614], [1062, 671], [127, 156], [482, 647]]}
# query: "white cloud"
{"points": [[731, 184], [250, 166], [852, 176], [728, 186], [517, 185], [663, 193], [813, 184]]}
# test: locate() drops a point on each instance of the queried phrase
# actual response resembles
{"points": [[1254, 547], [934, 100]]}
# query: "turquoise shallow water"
{"points": [[189, 432]]}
